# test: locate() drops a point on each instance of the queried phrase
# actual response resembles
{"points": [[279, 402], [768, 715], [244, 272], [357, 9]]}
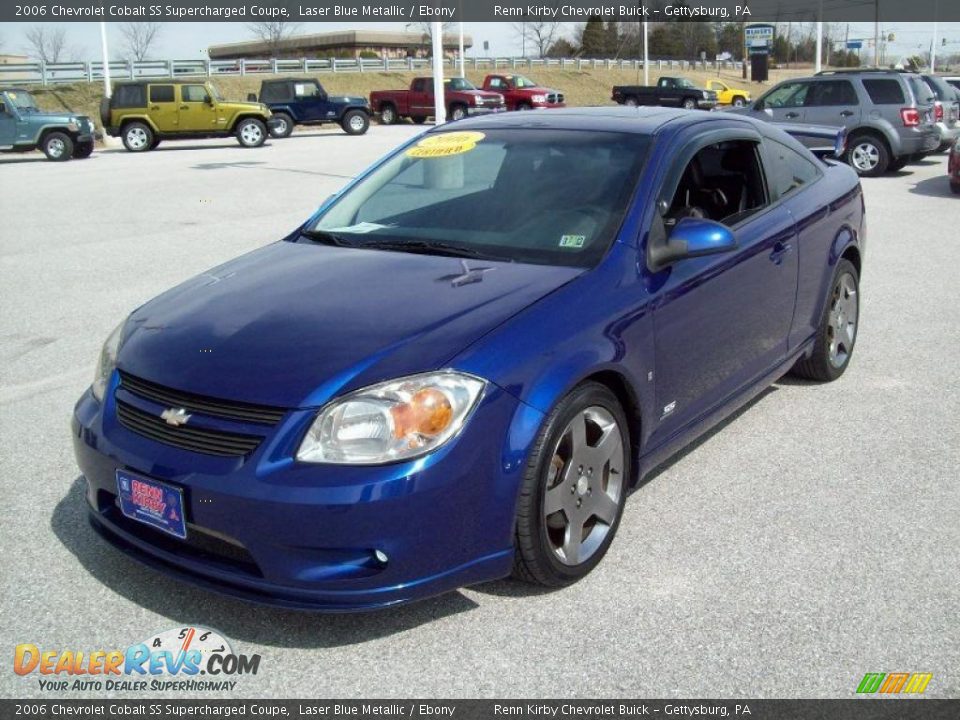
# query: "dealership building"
{"points": [[346, 43]]}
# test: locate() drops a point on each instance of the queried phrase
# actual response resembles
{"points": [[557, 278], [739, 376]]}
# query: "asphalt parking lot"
{"points": [[813, 538]]}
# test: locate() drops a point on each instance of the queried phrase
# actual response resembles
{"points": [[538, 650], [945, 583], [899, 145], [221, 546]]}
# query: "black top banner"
{"points": [[480, 10]]}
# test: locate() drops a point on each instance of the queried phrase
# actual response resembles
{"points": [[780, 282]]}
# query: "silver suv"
{"points": [[888, 114], [946, 109]]}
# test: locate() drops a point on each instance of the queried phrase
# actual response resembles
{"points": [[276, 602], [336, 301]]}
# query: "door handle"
{"points": [[780, 250], [184, 107], [154, 107], [792, 115], [846, 113]]}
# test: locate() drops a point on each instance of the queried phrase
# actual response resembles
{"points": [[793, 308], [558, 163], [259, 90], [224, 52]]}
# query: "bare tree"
{"points": [[273, 34], [47, 43], [426, 34], [540, 34], [139, 38]]}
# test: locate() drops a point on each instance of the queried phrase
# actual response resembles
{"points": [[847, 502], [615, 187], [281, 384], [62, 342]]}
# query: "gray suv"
{"points": [[946, 110], [888, 114]]}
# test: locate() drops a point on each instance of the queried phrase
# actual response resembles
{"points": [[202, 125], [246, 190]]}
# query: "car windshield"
{"points": [[214, 92], [540, 196], [684, 83], [519, 81], [23, 100], [459, 84]]}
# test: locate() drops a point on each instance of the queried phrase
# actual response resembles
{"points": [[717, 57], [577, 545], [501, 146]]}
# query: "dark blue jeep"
{"points": [[303, 101]]}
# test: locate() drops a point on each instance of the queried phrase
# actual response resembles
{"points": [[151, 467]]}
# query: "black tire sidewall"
{"points": [[545, 566], [68, 146], [821, 349], [345, 123]]}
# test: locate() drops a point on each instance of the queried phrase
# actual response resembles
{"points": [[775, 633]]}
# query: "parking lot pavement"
{"points": [[813, 538]]}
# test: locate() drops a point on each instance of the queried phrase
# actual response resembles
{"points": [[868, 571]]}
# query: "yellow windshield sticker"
{"points": [[445, 145]]}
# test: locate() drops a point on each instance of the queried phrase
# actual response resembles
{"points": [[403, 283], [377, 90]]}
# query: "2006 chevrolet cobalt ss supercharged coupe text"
{"points": [[461, 365]]}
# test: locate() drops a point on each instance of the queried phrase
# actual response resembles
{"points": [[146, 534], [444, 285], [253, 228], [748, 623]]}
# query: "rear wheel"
{"points": [[83, 150], [868, 155], [837, 333], [283, 125], [388, 115], [251, 132], [574, 488], [419, 119], [355, 122], [630, 101], [57, 146], [739, 101], [137, 137]]}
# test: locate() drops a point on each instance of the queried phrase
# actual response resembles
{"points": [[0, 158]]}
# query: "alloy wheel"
{"points": [[55, 148], [250, 133], [585, 485], [865, 156], [136, 138], [356, 123], [842, 321]]}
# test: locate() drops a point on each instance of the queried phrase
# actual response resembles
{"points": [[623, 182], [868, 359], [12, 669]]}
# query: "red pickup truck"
{"points": [[462, 98], [522, 93]]}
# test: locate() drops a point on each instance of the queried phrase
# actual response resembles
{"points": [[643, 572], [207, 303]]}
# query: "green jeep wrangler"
{"points": [[24, 127], [145, 112]]}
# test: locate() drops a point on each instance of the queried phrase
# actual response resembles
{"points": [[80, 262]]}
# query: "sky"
{"points": [[189, 40]]}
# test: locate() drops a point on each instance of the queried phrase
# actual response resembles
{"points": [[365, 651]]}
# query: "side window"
{"points": [[274, 92], [161, 93], [194, 93], [305, 90], [418, 85], [496, 83], [884, 91], [129, 96], [788, 169], [787, 96], [722, 182], [831, 92]]}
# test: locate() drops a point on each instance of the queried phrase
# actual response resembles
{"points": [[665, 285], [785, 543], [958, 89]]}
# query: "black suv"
{"points": [[303, 101]]}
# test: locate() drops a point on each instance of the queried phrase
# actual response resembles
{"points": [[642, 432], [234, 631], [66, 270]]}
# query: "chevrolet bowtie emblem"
{"points": [[175, 416]]}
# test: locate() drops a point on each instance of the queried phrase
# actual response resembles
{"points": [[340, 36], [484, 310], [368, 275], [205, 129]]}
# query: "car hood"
{"points": [[53, 117], [293, 324]]}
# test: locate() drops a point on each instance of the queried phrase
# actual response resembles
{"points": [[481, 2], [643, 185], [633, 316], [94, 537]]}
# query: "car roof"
{"points": [[638, 120], [163, 81], [303, 78]]}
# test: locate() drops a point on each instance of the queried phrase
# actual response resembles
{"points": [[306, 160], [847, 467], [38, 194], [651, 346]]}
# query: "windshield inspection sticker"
{"points": [[572, 241], [445, 145]]}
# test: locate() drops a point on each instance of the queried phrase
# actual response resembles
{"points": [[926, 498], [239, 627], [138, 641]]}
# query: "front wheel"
{"points": [[837, 333], [574, 488], [388, 115], [83, 150], [355, 122], [57, 146], [689, 104], [868, 156], [282, 126], [458, 112], [251, 132]]}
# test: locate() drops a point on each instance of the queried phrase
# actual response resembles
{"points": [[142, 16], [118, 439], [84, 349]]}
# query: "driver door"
{"points": [[722, 321], [784, 104], [311, 101], [197, 110], [8, 125]]}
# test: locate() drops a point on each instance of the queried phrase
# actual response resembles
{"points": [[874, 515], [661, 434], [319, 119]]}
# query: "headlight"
{"points": [[107, 362], [539, 98], [396, 420]]}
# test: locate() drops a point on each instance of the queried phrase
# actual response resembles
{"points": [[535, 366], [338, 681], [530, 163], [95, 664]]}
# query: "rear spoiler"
{"points": [[821, 140]]}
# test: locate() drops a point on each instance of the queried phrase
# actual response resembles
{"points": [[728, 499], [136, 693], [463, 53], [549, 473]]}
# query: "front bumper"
{"points": [[270, 530], [485, 109], [273, 123], [706, 104]]}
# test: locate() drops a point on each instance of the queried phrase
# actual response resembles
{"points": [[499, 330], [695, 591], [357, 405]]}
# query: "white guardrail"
{"points": [[72, 72]]}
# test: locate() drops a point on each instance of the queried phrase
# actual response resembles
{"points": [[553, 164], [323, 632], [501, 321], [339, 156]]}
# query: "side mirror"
{"points": [[691, 238], [251, 97]]}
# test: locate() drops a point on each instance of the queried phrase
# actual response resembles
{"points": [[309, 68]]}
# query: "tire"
{"points": [[251, 132], [153, 145], [419, 119], [689, 104], [137, 137], [898, 163], [83, 150], [524, 106], [388, 115], [57, 146], [545, 552], [355, 122], [457, 112], [739, 101], [829, 360], [283, 127], [630, 101], [868, 155], [955, 188]]}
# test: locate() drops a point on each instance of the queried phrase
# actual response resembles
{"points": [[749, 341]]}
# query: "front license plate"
{"points": [[152, 502]]}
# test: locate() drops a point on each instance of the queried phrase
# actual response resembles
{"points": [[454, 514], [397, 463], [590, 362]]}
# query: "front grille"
{"points": [[246, 412], [208, 442]]}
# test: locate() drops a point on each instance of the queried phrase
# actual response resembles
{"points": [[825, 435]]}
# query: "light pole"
{"points": [[439, 105], [107, 92], [462, 71], [646, 56]]}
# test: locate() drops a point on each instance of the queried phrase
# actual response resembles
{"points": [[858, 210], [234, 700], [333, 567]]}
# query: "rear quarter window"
{"points": [[788, 170], [129, 96], [884, 91], [275, 92]]}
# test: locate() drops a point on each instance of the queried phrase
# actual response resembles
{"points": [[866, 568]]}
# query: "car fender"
{"points": [[46, 127], [285, 109], [124, 119]]}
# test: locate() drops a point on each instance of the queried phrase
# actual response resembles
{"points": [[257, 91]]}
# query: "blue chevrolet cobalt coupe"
{"points": [[460, 366]]}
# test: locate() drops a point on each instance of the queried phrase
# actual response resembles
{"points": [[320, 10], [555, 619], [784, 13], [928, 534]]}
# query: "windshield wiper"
{"points": [[426, 247], [326, 238]]}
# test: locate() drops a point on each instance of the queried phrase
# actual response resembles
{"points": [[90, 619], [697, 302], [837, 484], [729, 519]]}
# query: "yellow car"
{"points": [[727, 95]]}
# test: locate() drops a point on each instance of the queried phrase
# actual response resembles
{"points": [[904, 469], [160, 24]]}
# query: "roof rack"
{"points": [[860, 70]]}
